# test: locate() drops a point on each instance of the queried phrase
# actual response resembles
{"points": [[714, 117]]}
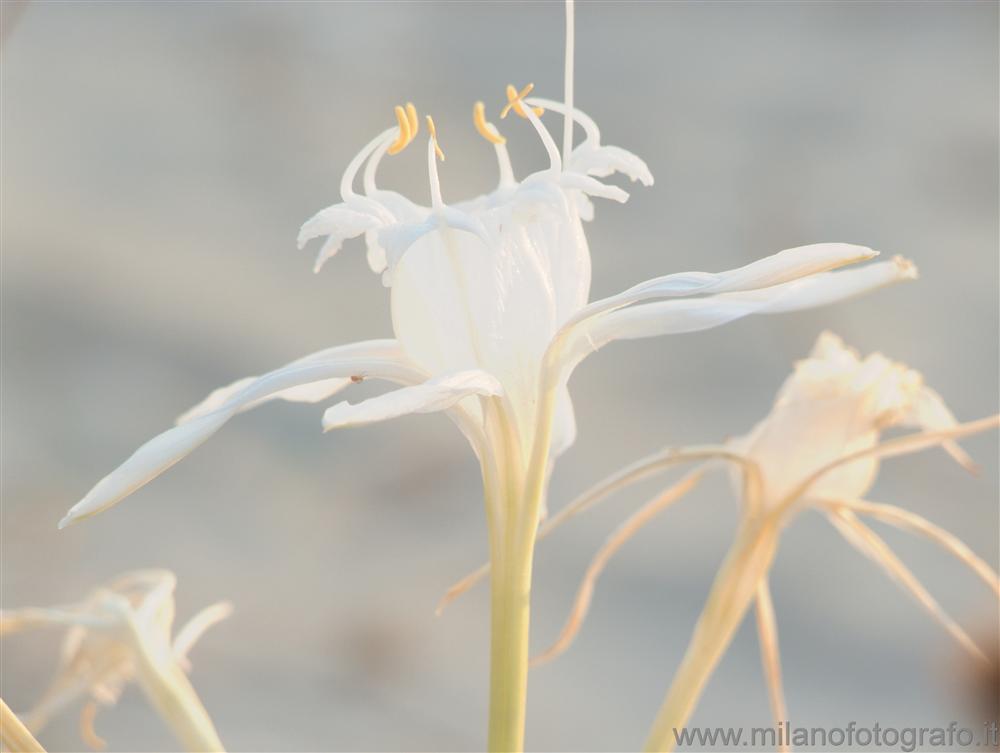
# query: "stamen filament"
{"points": [[434, 138], [555, 160], [590, 129], [492, 134], [432, 148], [368, 179], [347, 181]]}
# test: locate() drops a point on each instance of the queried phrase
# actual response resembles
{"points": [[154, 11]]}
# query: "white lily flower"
{"points": [[119, 634], [820, 448], [489, 301]]}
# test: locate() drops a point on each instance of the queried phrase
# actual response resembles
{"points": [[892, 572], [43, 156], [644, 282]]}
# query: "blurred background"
{"points": [[158, 159]]}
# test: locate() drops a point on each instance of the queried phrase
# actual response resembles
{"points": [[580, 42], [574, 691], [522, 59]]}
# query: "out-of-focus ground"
{"points": [[158, 159]]}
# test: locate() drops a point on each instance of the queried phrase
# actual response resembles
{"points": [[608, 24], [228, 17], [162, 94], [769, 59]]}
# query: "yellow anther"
{"points": [[515, 101], [487, 130], [405, 133], [411, 115], [434, 138]]}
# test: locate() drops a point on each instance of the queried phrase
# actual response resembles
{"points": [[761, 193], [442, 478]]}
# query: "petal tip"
{"points": [[906, 269]]}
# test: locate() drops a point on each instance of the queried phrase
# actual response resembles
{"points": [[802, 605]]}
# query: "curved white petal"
{"points": [[434, 395], [335, 220], [592, 187], [693, 314], [602, 161], [459, 304], [784, 266], [339, 223], [590, 156], [564, 424], [929, 412], [312, 392], [584, 207], [194, 628], [161, 452]]}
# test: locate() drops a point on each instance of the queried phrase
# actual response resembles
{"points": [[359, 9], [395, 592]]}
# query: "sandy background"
{"points": [[158, 159]]}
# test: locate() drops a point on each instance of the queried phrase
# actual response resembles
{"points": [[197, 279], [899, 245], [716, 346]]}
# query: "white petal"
{"points": [[602, 161], [313, 392], [831, 287], [592, 158], [784, 266], [460, 304], [563, 425], [693, 314], [592, 187], [339, 223], [161, 452], [335, 220], [375, 254], [930, 413], [584, 207], [433, 395]]}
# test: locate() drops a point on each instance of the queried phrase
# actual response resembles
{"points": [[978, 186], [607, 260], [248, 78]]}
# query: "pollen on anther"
{"points": [[411, 116], [515, 102], [405, 132], [487, 130], [434, 137]]}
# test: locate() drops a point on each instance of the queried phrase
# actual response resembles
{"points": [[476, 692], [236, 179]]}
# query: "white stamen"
{"points": [[550, 146], [593, 133], [503, 163], [347, 182], [432, 169], [372, 167]]}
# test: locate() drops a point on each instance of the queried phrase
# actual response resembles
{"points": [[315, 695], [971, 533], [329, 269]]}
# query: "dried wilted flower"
{"points": [[819, 447], [121, 633]]}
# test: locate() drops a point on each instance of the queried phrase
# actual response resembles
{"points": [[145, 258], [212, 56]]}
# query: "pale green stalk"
{"points": [[732, 593], [173, 696], [513, 517], [14, 735], [511, 605]]}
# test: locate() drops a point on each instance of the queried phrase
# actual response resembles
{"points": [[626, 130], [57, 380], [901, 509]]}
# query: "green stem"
{"points": [[510, 584], [513, 547], [735, 584]]}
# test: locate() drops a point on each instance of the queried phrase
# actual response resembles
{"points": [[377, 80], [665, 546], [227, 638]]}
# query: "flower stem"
{"points": [[735, 584], [14, 735], [173, 697], [513, 548], [510, 585]]}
